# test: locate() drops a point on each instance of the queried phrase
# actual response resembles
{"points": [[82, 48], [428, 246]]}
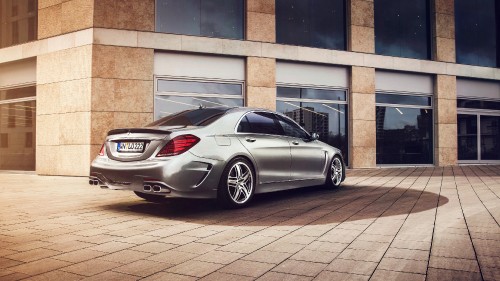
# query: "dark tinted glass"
{"points": [[291, 129], [190, 117], [326, 119], [467, 137], [490, 137], [263, 123], [199, 87], [308, 93], [476, 32], [17, 127], [403, 99], [479, 104], [402, 28], [404, 135], [18, 22], [314, 23], [167, 105], [17, 93], [212, 18]]}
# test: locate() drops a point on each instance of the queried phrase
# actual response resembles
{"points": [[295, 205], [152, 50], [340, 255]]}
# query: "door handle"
{"points": [[250, 139], [295, 142]]}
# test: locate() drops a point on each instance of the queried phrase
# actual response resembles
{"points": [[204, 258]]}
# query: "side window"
{"points": [[260, 123], [244, 126], [291, 129]]}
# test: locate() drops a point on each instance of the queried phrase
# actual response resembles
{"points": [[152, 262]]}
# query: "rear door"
{"points": [[308, 157], [260, 133]]}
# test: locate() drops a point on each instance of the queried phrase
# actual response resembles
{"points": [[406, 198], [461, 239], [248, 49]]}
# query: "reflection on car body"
{"points": [[220, 152]]}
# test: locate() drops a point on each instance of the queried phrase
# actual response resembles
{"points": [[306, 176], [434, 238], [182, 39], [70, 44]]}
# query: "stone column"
{"points": [[362, 127], [361, 26], [445, 118], [444, 34], [261, 82], [261, 21], [85, 91]]}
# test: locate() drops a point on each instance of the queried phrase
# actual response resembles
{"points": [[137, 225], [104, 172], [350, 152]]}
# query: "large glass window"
{"points": [[321, 111], [17, 129], [314, 23], [173, 96], [490, 137], [211, 18], [18, 21], [402, 28], [404, 132], [476, 32]]}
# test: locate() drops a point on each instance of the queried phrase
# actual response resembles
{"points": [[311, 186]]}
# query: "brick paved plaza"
{"points": [[384, 224]]}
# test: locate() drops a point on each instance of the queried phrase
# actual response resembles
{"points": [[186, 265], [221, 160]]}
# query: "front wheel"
{"points": [[336, 172], [237, 184]]}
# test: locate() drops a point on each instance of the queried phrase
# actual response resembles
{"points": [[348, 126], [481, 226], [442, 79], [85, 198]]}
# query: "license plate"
{"points": [[130, 147]]}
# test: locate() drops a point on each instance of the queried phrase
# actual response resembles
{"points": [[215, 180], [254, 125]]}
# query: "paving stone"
{"points": [[56, 275], [91, 267], [352, 267], [220, 276], [143, 268], [300, 268], [329, 276], [39, 266], [220, 257], [278, 276], [386, 275], [434, 274], [411, 266], [454, 264], [247, 268], [195, 268], [161, 276]]}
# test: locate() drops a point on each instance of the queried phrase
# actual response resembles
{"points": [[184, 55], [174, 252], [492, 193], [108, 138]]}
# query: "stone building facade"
{"points": [[99, 64]]}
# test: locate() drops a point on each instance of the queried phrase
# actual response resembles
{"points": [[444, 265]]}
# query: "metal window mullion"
{"points": [[199, 95], [17, 100], [405, 106], [478, 129], [311, 101]]}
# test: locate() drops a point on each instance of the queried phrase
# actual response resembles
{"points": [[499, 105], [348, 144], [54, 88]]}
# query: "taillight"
{"points": [[101, 153], [178, 145]]}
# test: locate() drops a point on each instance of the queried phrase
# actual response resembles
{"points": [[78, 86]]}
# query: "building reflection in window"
{"points": [[404, 134], [321, 111], [18, 22], [313, 23], [17, 129], [211, 18]]}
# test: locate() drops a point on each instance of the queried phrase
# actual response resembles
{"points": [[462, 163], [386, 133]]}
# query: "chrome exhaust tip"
{"points": [[91, 182], [156, 188], [147, 188], [96, 182]]}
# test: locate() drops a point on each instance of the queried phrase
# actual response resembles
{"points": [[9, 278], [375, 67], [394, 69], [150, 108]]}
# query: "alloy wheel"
{"points": [[336, 171], [240, 182]]}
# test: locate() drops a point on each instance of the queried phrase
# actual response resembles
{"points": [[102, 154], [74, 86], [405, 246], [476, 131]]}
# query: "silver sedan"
{"points": [[225, 153]]}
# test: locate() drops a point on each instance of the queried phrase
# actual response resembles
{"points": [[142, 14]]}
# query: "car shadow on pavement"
{"points": [[310, 205]]}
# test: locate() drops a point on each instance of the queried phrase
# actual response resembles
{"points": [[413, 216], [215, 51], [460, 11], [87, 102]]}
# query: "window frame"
{"points": [[433, 129], [196, 95]]}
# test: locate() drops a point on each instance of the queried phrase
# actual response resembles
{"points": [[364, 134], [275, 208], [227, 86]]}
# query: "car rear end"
{"points": [[157, 160]]}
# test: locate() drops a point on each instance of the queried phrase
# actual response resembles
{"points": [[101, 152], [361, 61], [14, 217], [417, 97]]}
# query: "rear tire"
{"points": [[150, 197], [237, 184], [336, 173]]}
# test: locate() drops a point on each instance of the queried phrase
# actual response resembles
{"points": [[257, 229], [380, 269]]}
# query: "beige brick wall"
{"points": [[445, 118], [261, 21], [362, 127], [444, 33], [261, 82], [361, 21], [122, 90], [63, 112], [56, 17]]}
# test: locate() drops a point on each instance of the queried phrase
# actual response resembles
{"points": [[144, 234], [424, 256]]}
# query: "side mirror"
{"points": [[314, 136]]}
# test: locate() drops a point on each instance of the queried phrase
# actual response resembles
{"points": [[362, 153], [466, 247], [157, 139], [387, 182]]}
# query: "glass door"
{"points": [[478, 138], [467, 132], [490, 137]]}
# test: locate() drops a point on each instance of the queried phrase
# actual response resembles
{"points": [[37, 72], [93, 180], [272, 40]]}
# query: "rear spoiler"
{"points": [[138, 130]]}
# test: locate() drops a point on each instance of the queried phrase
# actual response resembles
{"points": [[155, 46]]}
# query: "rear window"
{"points": [[197, 117]]}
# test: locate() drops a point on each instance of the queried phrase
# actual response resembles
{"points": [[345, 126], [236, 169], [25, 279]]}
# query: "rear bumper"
{"points": [[185, 175]]}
